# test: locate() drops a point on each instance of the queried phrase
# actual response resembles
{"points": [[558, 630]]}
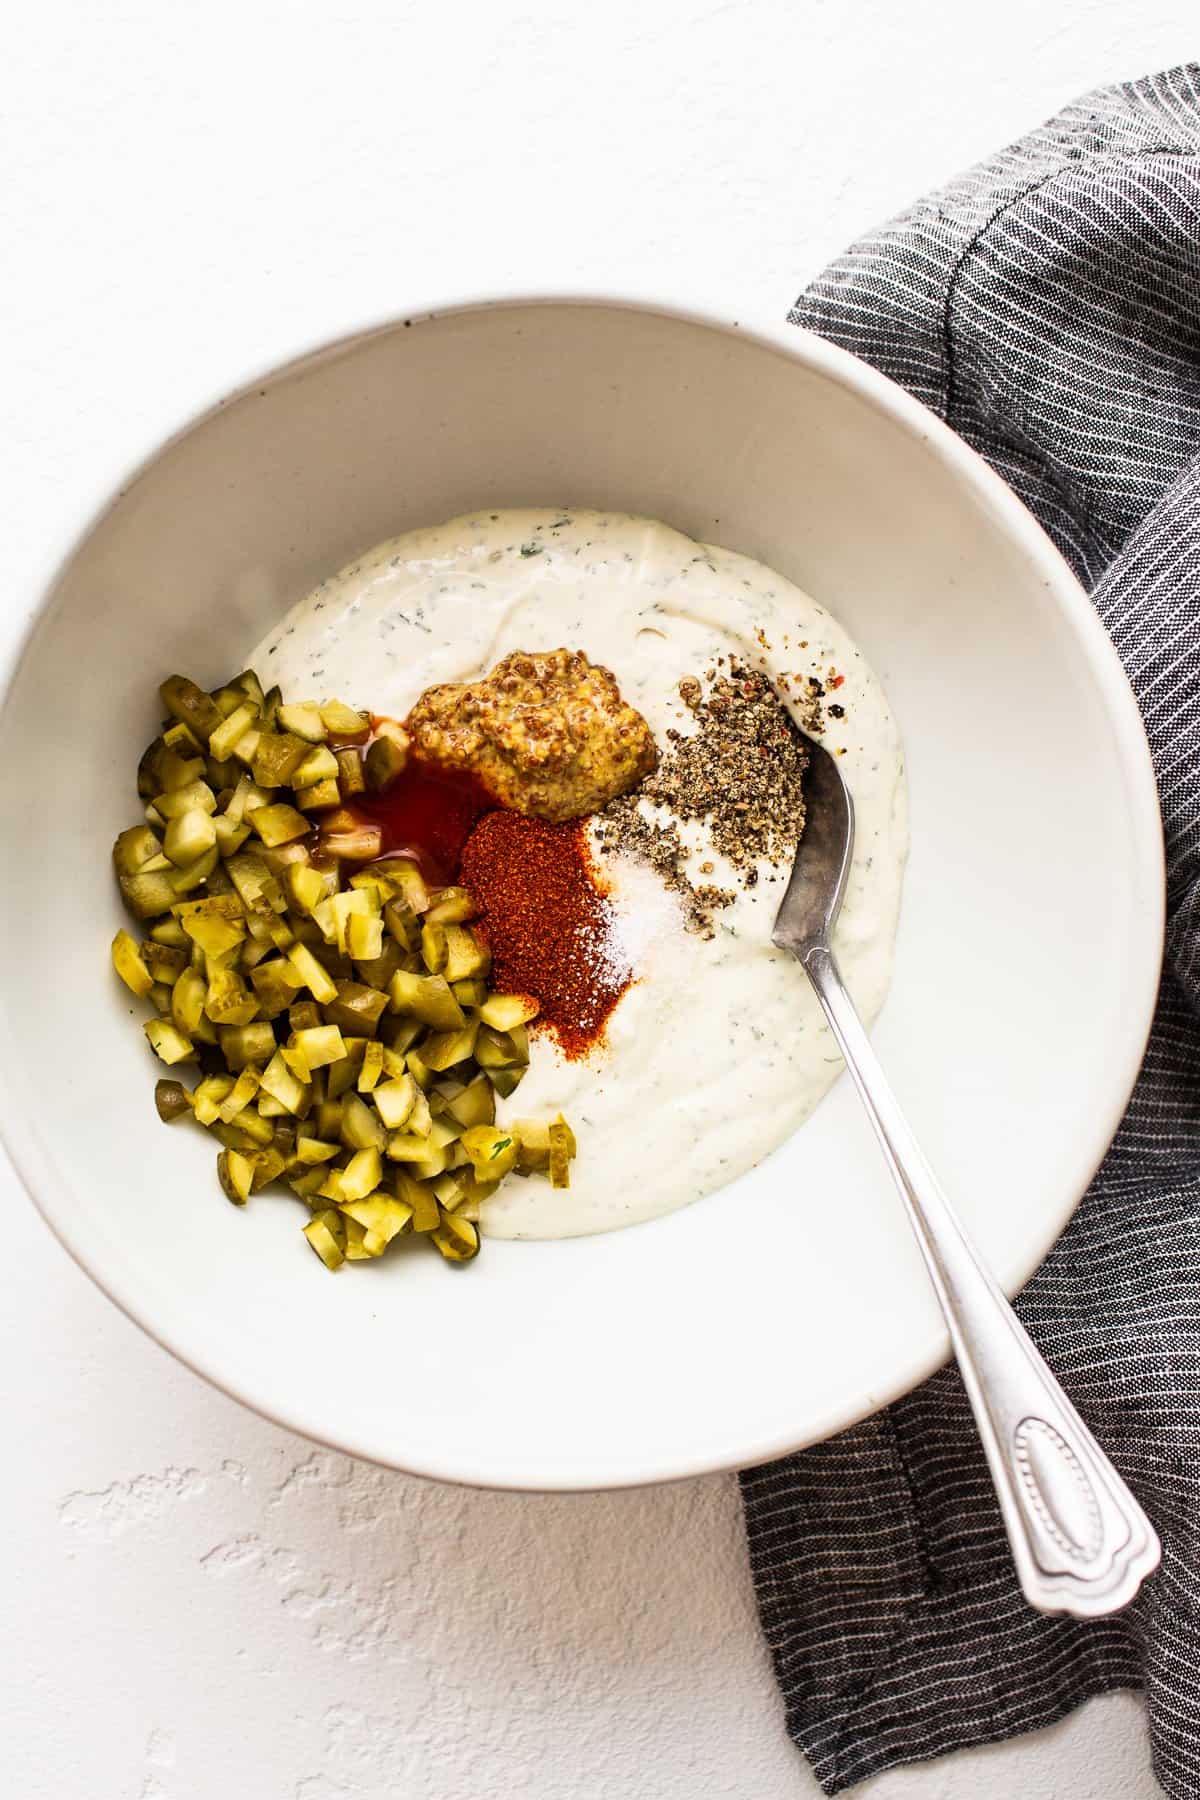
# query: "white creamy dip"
{"points": [[718, 1050]]}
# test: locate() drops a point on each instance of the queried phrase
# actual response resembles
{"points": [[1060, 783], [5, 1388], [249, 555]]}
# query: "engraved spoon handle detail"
{"points": [[1081, 1543]]}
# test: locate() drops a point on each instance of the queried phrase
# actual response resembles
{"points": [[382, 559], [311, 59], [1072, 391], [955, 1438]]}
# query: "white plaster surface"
{"points": [[195, 1603]]}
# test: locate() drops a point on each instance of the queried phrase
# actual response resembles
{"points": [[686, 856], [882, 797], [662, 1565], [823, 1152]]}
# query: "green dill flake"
{"points": [[532, 549]]}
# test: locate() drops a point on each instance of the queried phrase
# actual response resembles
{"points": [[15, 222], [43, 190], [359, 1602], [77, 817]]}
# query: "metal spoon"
{"points": [[1080, 1541]]}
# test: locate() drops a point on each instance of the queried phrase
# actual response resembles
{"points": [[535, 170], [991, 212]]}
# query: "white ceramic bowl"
{"points": [[792, 1302]]}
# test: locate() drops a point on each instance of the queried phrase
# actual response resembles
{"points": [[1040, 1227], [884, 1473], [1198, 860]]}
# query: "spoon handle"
{"points": [[1080, 1541]]}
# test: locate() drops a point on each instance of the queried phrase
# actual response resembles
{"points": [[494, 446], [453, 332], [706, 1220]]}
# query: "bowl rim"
{"points": [[1143, 968]]}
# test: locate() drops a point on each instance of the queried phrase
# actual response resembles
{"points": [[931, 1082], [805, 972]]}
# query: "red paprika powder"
{"points": [[550, 929]]}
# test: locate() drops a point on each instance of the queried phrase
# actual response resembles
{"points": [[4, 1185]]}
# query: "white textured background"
{"points": [[196, 1604]]}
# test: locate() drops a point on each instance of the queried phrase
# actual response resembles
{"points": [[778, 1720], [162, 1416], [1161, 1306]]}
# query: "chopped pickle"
{"points": [[325, 1232], [409, 883], [214, 935], [451, 906], [163, 961], [469, 993], [236, 1175], [457, 1238], [190, 705], [148, 894], [417, 1068], [276, 983], [319, 797], [312, 974], [224, 740], [355, 1008], [329, 1119], [194, 874], [194, 796], [420, 1119], [377, 971], [188, 836], [316, 1150], [170, 931], [475, 1105], [130, 966], [381, 1217], [504, 1012], [343, 723], [428, 998], [372, 1068], [493, 1151], [447, 1048], [230, 837], [362, 1174], [533, 1145], [256, 885], [364, 938], [281, 1084], [167, 1041], [465, 955], [305, 886], [277, 757], [172, 1100], [303, 718], [319, 765], [227, 1001], [134, 849], [386, 756], [433, 948], [320, 1045], [562, 1142], [394, 1101], [496, 1050], [350, 777], [360, 1128], [278, 824], [187, 1001], [243, 1091], [426, 1215], [268, 1165], [242, 1045]]}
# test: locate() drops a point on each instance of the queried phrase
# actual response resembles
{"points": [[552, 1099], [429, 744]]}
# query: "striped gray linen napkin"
{"points": [[1047, 306]]}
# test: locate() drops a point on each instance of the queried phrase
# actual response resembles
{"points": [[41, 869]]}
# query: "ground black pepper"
{"points": [[740, 772]]}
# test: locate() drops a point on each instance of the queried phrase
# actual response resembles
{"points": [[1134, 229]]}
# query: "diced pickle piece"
{"points": [[170, 931], [562, 1142], [444, 1049], [476, 1105], [227, 1001], [386, 756], [245, 1044], [360, 1128], [433, 948], [181, 738], [465, 955], [350, 777], [243, 1091], [319, 764], [382, 1219], [408, 882], [134, 848], [167, 1041], [319, 797], [164, 962], [320, 1045], [305, 885], [326, 1234], [172, 1100], [362, 1174], [277, 756], [426, 997], [394, 1101], [214, 935], [372, 1067], [194, 874], [187, 1001], [426, 1215], [148, 895], [230, 837], [278, 824], [303, 718], [469, 993], [188, 836], [225, 739], [343, 723], [206, 1101], [451, 906], [355, 1008], [403, 924], [276, 984], [236, 1176], [281, 1084], [312, 973], [190, 705], [194, 796], [316, 1150], [457, 1238], [492, 1150], [268, 1165], [130, 965], [504, 1012]]}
